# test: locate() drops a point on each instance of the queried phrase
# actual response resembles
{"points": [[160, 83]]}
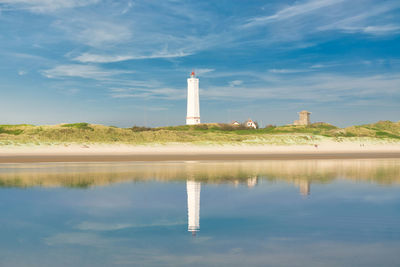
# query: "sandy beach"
{"points": [[185, 152]]}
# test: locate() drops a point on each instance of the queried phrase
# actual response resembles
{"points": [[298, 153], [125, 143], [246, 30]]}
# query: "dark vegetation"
{"points": [[142, 129]]}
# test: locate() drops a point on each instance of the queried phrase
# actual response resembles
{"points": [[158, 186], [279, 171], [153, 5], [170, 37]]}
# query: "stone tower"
{"points": [[304, 118], [193, 104]]}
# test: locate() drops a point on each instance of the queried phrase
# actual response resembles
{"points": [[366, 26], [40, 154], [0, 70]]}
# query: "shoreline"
{"points": [[193, 157], [185, 152]]}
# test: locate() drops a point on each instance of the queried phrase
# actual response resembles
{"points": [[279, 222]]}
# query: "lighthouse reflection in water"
{"points": [[254, 213], [193, 190], [193, 200]]}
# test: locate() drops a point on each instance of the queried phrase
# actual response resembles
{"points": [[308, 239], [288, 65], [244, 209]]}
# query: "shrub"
{"points": [[227, 127], [386, 134], [140, 129], [323, 125], [80, 125], [270, 126], [230, 127], [14, 125], [176, 128], [13, 132], [201, 127], [348, 134]]}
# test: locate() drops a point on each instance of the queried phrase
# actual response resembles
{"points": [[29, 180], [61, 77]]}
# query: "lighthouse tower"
{"points": [[193, 105], [193, 202]]}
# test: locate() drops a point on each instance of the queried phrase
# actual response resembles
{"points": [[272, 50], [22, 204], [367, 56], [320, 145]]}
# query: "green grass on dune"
{"points": [[80, 125], [13, 132], [213, 133]]}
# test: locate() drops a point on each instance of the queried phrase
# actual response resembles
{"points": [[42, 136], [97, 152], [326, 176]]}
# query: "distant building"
{"points": [[304, 118], [250, 124], [235, 123]]}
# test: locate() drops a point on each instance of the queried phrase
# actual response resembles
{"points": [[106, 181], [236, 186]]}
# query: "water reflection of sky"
{"points": [[343, 222]]}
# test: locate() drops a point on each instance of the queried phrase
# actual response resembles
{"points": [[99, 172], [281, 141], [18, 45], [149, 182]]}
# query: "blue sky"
{"points": [[125, 63]]}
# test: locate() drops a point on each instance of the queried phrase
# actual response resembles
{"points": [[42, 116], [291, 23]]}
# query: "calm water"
{"points": [[272, 213]]}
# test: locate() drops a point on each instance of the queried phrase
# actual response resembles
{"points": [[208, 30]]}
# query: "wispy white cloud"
{"points": [[94, 32], [370, 21], [150, 89], [31, 57], [128, 83], [298, 9], [87, 57], [235, 83], [320, 88], [202, 71], [128, 7], [76, 238], [43, 6], [324, 65], [382, 29], [94, 58], [81, 71], [149, 93], [308, 18], [96, 226], [373, 30], [286, 71], [155, 33]]}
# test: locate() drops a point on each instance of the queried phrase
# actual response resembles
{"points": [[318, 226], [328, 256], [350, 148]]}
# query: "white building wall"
{"points": [[193, 201], [193, 105]]}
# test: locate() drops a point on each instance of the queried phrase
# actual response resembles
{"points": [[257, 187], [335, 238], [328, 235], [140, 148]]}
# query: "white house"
{"points": [[251, 124]]}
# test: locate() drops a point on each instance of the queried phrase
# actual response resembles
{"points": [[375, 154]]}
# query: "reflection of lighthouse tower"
{"points": [[193, 199], [193, 105], [304, 186]]}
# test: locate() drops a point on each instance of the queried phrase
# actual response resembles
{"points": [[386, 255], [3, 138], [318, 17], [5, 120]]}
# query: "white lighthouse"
{"points": [[193, 104], [193, 202]]}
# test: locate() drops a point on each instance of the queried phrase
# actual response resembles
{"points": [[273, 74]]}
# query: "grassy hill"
{"points": [[382, 131]]}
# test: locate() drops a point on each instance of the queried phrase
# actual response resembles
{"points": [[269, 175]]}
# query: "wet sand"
{"points": [[123, 153], [192, 157]]}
